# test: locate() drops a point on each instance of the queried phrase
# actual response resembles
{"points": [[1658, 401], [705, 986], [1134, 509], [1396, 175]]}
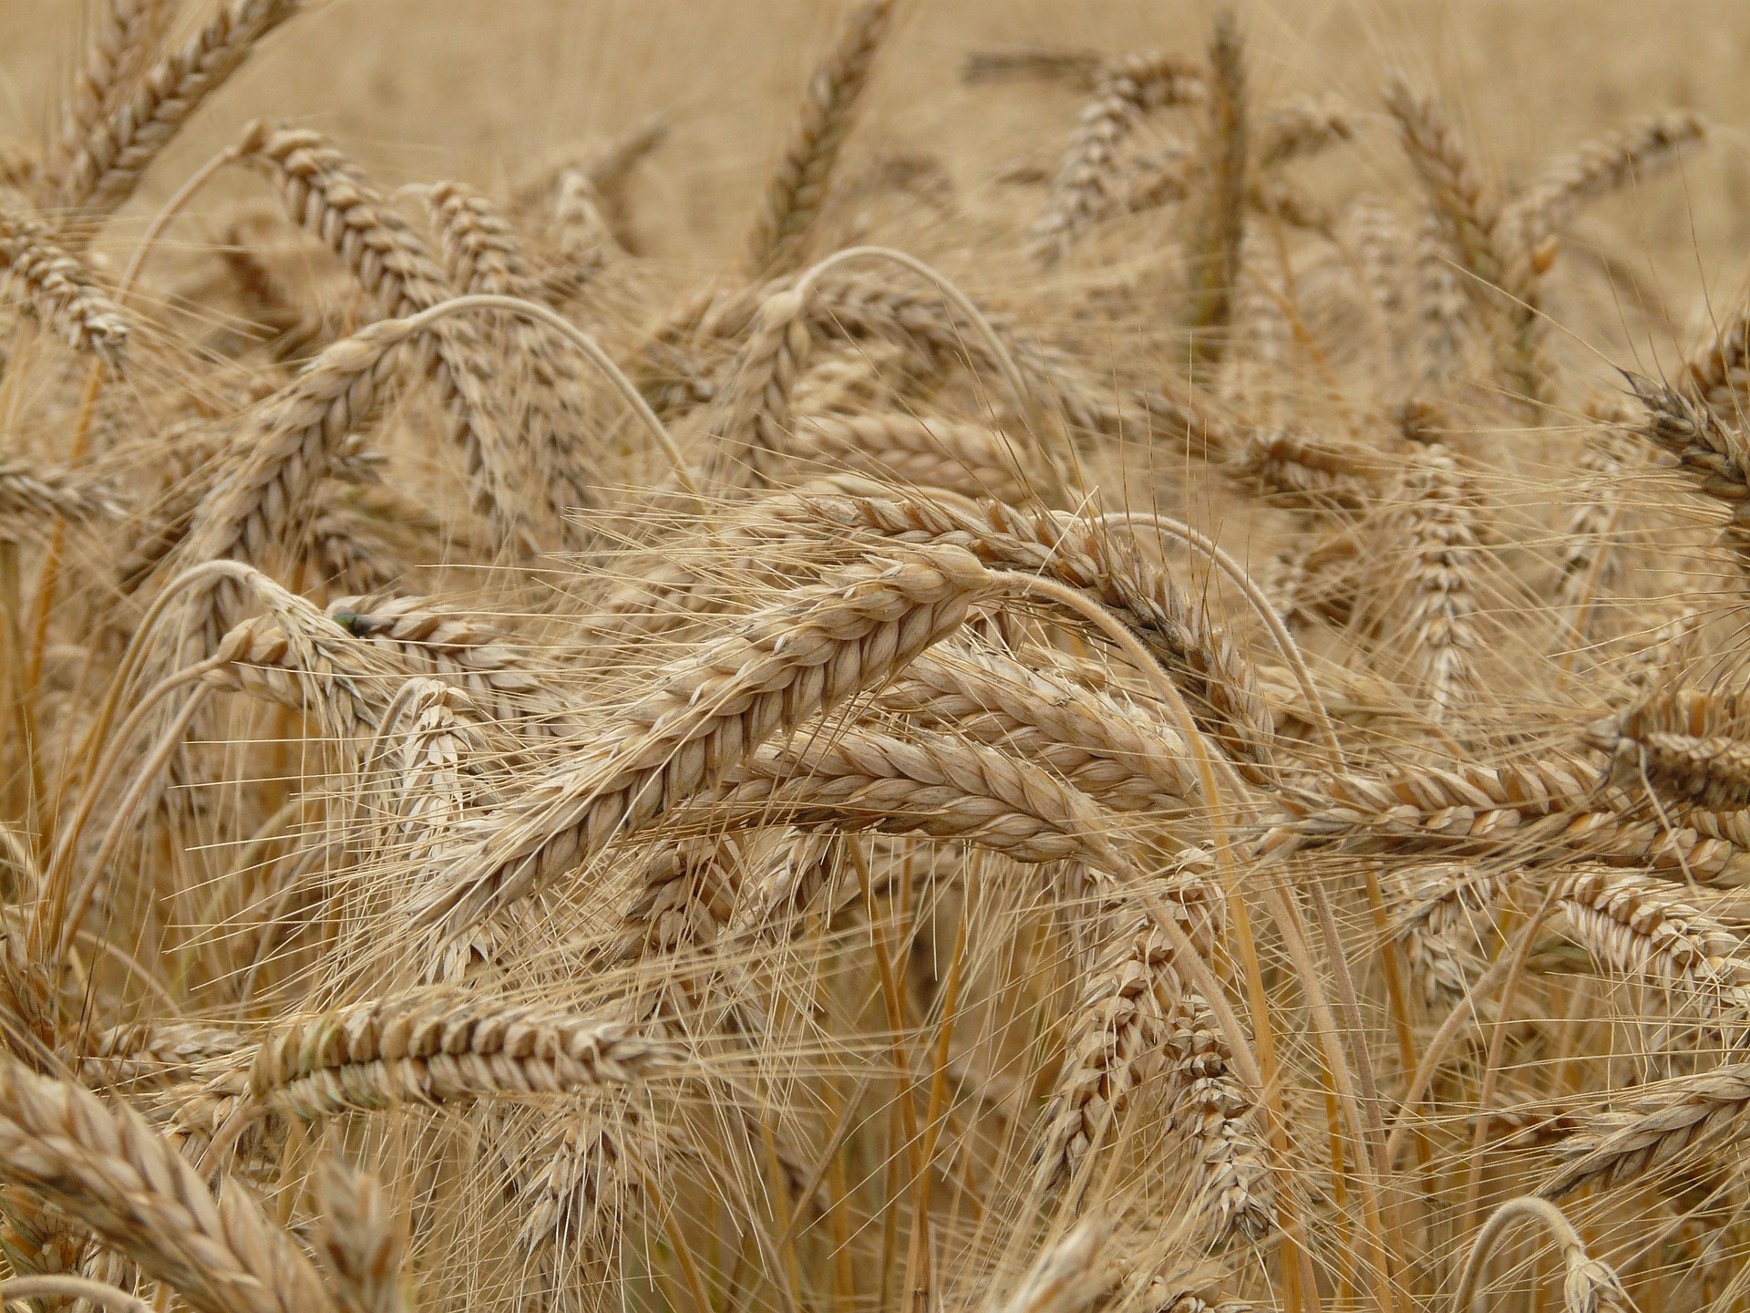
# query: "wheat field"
{"points": [[899, 656]]}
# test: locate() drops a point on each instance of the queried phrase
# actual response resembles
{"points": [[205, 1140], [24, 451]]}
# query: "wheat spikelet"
{"points": [[1448, 902], [1381, 249], [1712, 451], [121, 146], [1302, 128], [483, 255], [577, 1180], [1092, 741], [584, 240], [1590, 559], [1298, 470], [37, 1238], [920, 784], [797, 191], [438, 1047], [297, 658], [59, 290], [1065, 1276], [139, 1051], [1089, 178], [1434, 613], [757, 420], [509, 681], [1686, 743], [911, 449], [1115, 1046], [1443, 335], [32, 493], [1219, 1116], [261, 505], [688, 890], [125, 35], [1465, 210], [1543, 809], [129, 1185]]}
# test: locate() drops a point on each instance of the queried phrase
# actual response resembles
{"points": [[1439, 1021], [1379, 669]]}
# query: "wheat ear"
{"points": [[483, 255], [60, 290], [110, 1170], [1618, 1148], [1107, 567], [116, 153], [797, 190], [326, 195], [125, 35], [1548, 205], [1090, 178], [440, 1047], [710, 710], [358, 1242]]}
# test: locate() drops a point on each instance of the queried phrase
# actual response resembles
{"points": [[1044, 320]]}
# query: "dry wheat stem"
{"points": [[71, 1287]]}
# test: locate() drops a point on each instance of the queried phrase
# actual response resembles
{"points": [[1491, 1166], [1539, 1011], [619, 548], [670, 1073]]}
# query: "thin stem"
{"points": [[1527, 1207], [18, 1289], [1242, 578]]}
